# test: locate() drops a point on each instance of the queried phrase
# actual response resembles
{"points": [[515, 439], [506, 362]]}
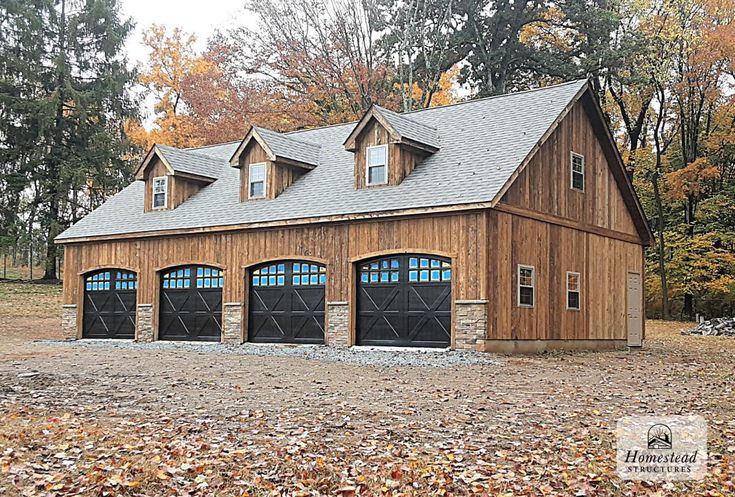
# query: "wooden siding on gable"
{"points": [[278, 176], [155, 170], [545, 184], [401, 159], [179, 188]]}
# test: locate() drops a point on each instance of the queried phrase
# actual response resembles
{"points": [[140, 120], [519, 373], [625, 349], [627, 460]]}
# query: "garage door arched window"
{"points": [[405, 300], [191, 303], [109, 304], [286, 302]]}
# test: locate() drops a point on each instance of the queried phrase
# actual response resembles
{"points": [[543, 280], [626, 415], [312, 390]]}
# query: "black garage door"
{"points": [[109, 304], [191, 304], [286, 302], [405, 300]]}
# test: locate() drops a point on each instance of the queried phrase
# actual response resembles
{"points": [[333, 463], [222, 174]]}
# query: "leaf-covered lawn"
{"points": [[97, 421]]}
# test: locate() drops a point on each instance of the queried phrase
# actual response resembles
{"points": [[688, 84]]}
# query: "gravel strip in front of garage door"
{"points": [[366, 356]]}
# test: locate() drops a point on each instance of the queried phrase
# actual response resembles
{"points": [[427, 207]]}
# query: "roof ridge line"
{"points": [[208, 146], [191, 151], [492, 97], [289, 132], [403, 115]]}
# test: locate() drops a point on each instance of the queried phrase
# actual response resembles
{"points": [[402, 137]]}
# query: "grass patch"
{"points": [[30, 299]]}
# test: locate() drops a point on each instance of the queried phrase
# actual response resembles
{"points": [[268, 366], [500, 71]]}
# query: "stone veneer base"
{"points": [[69, 321], [470, 324], [232, 323], [144, 323], [338, 324]]}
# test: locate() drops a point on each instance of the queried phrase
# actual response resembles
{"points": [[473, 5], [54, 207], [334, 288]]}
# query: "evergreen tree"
{"points": [[63, 99]]}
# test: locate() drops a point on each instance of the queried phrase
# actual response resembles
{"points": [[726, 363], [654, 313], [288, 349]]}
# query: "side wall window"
{"points": [[526, 286], [256, 180], [377, 165], [573, 291], [160, 192], [577, 171]]}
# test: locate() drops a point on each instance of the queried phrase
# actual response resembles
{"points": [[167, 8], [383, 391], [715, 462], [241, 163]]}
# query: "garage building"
{"points": [[500, 224]]}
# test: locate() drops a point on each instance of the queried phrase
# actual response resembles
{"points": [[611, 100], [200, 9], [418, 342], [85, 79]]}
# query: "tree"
{"points": [[172, 62], [65, 95], [492, 32], [322, 56], [422, 37]]}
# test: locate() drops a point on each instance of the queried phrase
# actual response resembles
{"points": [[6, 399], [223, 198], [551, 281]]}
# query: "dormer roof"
{"points": [[401, 128], [183, 162], [280, 148]]}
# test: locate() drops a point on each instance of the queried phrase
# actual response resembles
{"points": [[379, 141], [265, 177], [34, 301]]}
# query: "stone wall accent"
{"points": [[69, 321], [338, 324], [144, 323], [232, 323], [470, 324]]}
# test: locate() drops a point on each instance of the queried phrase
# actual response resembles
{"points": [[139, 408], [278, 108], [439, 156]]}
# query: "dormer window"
{"points": [[377, 165], [160, 192], [577, 172], [256, 180], [410, 142]]}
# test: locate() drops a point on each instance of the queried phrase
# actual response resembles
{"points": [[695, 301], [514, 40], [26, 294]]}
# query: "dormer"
{"points": [[172, 175], [270, 162], [388, 146]]}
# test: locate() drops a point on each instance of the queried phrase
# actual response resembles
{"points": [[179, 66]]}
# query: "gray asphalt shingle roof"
{"points": [[288, 147], [410, 128], [192, 161], [482, 143]]}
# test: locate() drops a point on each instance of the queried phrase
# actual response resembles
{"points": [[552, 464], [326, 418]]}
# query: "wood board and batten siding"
{"points": [[401, 159], [338, 245], [544, 186], [603, 264]]}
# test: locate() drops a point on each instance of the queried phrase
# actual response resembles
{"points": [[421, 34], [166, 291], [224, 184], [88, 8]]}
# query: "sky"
{"points": [[195, 17]]}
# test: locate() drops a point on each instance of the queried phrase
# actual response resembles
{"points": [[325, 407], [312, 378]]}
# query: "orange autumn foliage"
{"points": [[692, 179]]}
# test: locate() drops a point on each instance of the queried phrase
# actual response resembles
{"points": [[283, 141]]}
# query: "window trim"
{"points": [[518, 286], [572, 155], [367, 165], [165, 193], [578, 291], [265, 179]]}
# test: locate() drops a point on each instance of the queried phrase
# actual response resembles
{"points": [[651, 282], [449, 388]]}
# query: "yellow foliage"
{"points": [[172, 62], [444, 94]]}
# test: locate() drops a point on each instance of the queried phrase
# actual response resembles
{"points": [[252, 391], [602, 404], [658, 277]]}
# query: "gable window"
{"points": [[526, 285], [256, 180], [573, 291], [160, 192], [577, 171], [377, 165]]}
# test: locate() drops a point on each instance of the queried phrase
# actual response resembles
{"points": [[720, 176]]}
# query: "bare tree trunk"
{"points": [[661, 247]]}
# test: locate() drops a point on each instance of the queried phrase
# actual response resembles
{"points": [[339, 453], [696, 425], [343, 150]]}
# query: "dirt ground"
{"points": [[98, 421]]}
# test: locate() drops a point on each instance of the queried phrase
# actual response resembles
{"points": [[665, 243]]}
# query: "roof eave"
{"points": [[294, 162]]}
